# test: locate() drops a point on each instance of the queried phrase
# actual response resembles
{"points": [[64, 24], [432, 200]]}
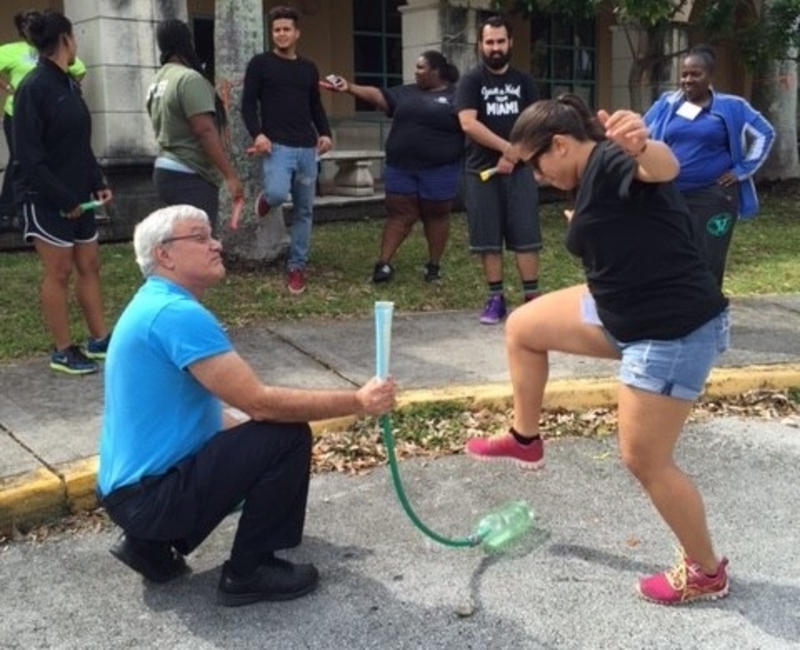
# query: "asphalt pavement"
{"points": [[569, 584]]}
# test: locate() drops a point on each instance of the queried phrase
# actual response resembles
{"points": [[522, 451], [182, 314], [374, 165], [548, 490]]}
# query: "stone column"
{"points": [[447, 26], [117, 42]]}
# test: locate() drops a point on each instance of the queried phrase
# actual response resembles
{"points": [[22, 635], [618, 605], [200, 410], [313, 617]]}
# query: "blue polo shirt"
{"points": [[701, 147], [156, 413]]}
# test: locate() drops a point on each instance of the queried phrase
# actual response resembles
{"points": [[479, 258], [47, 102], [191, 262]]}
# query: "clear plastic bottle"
{"points": [[504, 525]]}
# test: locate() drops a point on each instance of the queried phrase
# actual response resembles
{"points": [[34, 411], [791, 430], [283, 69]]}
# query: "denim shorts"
{"points": [[678, 367]]}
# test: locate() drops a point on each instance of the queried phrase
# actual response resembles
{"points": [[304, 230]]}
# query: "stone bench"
{"points": [[353, 176]]}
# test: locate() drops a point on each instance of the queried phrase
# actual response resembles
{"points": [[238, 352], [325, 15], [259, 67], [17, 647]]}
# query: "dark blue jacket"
{"points": [[55, 166]]}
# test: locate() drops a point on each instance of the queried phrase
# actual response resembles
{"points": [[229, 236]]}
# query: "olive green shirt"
{"points": [[177, 94]]}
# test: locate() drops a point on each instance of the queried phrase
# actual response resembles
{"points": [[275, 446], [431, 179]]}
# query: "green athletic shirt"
{"points": [[177, 94], [17, 59]]}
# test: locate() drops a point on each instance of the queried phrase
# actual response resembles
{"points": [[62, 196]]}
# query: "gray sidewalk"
{"points": [[49, 423]]}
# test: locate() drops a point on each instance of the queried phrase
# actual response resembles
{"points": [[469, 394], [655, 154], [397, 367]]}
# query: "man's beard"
{"points": [[497, 61]]}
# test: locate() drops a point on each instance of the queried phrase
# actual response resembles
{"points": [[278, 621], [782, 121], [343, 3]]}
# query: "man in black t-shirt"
{"points": [[503, 208], [283, 112]]}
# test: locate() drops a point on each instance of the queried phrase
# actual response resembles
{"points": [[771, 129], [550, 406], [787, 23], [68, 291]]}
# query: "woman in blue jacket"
{"points": [[720, 141]]}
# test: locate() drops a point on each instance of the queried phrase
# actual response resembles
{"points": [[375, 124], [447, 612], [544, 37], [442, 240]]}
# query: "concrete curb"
{"points": [[47, 493]]}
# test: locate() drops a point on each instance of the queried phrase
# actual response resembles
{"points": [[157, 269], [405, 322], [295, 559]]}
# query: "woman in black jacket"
{"points": [[58, 184]]}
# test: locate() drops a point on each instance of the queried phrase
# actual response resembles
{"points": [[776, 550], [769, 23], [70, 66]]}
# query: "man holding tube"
{"points": [[173, 461]]}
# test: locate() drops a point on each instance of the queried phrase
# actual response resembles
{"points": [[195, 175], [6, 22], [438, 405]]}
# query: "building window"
{"points": [[377, 45], [203, 34], [563, 56]]}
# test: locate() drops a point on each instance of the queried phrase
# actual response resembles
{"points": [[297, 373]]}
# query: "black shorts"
{"points": [[504, 209], [51, 226]]}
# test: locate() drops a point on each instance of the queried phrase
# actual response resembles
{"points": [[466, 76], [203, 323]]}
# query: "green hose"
{"points": [[388, 442]]}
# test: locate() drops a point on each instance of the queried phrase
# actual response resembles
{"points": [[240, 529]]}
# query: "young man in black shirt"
{"points": [[503, 208], [282, 110]]}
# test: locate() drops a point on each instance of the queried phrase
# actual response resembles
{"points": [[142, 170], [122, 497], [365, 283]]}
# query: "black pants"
{"points": [[714, 210], [175, 188], [266, 464]]}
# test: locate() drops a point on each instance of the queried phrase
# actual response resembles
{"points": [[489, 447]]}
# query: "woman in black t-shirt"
{"points": [[650, 300], [423, 158]]}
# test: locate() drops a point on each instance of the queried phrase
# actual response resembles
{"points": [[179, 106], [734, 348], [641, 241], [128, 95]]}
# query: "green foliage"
{"points": [[770, 36], [774, 36], [644, 13], [647, 13]]}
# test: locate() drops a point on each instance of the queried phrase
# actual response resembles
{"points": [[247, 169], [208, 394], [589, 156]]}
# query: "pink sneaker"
{"points": [[262, 207], [503, 446], [296, 282], [684, 583]]}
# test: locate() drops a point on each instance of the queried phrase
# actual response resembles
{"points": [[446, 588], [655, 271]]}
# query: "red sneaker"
{"points": [[684, 583], [504, 446], [262, 207], [296, 282]]}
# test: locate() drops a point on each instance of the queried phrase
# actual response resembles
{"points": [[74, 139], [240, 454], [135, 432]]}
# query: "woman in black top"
{"points": [[650, 300], [57, 175], [423, 154]]}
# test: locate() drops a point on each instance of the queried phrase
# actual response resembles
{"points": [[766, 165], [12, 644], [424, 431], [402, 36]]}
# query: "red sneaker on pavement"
{"points": [[504, 446], [684, 583], [296, 282]]}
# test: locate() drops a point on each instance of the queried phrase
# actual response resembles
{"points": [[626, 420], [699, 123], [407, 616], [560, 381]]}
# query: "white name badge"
{"points": [[689, 110]]}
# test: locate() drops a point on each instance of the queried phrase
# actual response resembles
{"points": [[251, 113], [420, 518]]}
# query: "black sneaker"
{"points": [[383, 272], [156, 561], [72, 361], [96, 348], [431, 272], [276, 579]]}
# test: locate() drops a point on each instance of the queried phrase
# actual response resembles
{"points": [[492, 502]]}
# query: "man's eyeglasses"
{"points": [[200, 238]]}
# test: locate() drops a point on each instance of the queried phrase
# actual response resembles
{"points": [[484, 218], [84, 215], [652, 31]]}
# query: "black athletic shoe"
{"points": [[431, 272], [383, 272], [276, 579], [156, 561]]}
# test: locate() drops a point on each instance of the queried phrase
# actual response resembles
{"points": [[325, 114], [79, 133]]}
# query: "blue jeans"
{"points": [[295, 169], [677, 368]]}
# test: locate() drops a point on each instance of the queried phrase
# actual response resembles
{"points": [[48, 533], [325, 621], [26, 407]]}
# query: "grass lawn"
{"points": [[763, 259]]}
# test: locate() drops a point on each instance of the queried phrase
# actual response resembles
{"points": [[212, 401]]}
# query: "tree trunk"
{"points": [[649, 61], [775, 95], [238, 36]]}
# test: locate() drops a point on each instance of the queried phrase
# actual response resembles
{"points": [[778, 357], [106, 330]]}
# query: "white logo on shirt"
{"points": [[157, 90], [499, 100]]}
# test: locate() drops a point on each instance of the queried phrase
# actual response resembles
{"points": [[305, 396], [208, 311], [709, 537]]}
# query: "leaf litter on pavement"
{"points": [[441, 429]]}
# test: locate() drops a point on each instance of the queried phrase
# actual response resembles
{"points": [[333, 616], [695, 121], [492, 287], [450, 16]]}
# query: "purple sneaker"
{"points": [[494, 310]]}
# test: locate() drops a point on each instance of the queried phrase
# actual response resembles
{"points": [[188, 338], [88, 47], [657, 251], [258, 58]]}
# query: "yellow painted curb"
{"points": [[80, 481], [727, 382], [30, 498]]}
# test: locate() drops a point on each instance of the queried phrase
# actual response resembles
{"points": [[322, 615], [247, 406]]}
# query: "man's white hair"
{"points": [[157, 227]]}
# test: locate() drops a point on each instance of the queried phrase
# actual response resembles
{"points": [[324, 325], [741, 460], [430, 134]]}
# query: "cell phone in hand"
{"points": [[331, 82]]}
